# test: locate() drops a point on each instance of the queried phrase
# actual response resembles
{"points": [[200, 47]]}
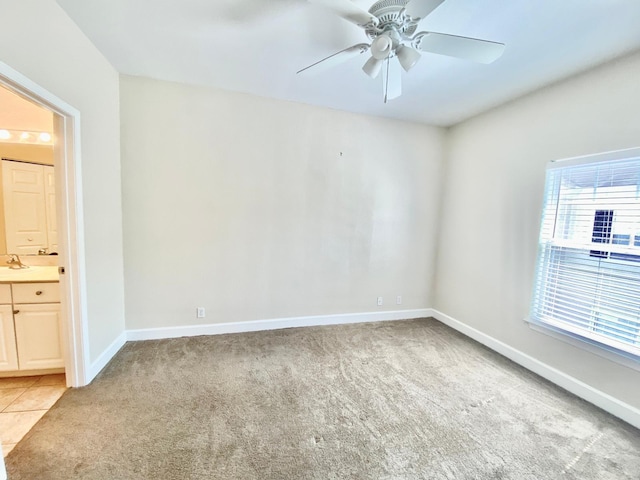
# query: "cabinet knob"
{"points": [[15, 312], [30, 239], [39, 292]]}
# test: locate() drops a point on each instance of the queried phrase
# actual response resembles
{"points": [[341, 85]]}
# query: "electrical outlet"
{"points": [[379, 300], [399, 300], [200, 312]]}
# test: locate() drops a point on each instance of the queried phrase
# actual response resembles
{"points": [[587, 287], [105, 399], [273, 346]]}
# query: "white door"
{"points": [[38, 336], [50, 202], [24, 207], [8, 354]]}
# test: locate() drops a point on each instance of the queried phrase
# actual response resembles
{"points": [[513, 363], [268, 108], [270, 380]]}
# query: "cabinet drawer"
{"points": [[36, 292], [5, 294]]}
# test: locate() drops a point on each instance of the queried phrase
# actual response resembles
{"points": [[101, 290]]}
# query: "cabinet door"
{"points": [[8, 354], [24, 207], [38, 336]]}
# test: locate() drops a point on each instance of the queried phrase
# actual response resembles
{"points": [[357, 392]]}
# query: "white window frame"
{"points": [[557, 329]]}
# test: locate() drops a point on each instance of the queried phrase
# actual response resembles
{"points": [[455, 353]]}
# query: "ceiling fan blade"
{"points": [[482, 51], [418, 9], [335, 59], [391, 79], [348, 10]]}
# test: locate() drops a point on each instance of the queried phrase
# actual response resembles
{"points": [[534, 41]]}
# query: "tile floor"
{"points": [[23, 401]]}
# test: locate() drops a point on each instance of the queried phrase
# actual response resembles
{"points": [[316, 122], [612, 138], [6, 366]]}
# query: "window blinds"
{"points": [[587, 280]]}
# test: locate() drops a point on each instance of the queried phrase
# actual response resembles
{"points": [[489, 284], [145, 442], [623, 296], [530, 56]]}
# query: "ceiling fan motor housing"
{"points": [[388, 14]]}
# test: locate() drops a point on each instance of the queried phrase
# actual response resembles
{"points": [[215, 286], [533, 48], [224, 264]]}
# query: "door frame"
{"points": [[70, 219]]}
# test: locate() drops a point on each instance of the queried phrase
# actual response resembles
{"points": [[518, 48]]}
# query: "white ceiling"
{"points": [[256, 46]]}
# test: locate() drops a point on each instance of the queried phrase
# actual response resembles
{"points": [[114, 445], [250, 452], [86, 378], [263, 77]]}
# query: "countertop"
{"points": [[31, 274]]}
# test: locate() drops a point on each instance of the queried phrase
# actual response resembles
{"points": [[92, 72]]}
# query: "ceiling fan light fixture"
{"points": [[408, 57], [382, 47], [372, 67]]}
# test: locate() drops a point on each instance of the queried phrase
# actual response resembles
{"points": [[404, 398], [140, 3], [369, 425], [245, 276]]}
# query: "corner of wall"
{"points": [[444, 176]]}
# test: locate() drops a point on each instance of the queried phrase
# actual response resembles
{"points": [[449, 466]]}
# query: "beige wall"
{"points": [[30, 153], [257, 209], [492, 203], [41, 42], [16, 113]]}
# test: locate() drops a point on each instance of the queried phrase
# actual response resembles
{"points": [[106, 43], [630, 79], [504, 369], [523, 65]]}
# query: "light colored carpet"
{"points": [[392, 400]]}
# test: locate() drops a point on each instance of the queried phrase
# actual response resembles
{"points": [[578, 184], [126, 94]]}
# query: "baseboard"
{"points": [[29, 373], [104, 358], [606, 402], [275, 324]]}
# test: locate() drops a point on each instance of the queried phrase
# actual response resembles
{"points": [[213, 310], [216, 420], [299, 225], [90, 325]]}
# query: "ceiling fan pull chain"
{"points": [[386, 80]]}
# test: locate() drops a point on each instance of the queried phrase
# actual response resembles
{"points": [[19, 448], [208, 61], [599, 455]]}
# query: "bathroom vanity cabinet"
{"points": [[31, 328]]}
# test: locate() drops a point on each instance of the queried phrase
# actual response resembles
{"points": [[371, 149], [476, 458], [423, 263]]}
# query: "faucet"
{"points": [[15, 263]]}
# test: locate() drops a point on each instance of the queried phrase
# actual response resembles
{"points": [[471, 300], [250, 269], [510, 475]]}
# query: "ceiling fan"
{"points": [[391, 25]]}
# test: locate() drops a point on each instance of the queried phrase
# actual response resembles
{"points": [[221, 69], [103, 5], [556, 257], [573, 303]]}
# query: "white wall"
{"points": [[41, 42], [3, 470], [492, 201], [245, 206]]}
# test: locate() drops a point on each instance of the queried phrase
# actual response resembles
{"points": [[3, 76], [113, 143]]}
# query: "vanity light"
{"points": [[23, 136]]}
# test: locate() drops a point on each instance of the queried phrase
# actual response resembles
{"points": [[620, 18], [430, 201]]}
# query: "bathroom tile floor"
{"points": [[23, 401]]}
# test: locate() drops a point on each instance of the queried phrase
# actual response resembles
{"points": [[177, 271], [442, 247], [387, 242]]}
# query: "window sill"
{"points": [[609, 353]]}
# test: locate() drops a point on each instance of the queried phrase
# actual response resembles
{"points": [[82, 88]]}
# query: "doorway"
{"points": [[66, 160]]}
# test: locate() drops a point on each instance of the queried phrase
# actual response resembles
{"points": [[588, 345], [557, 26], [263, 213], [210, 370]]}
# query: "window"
{"points": [[587, 281], [602, 233]]}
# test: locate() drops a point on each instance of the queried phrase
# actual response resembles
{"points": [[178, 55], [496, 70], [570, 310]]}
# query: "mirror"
{"points": [[27, 180], [28, 208]]}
